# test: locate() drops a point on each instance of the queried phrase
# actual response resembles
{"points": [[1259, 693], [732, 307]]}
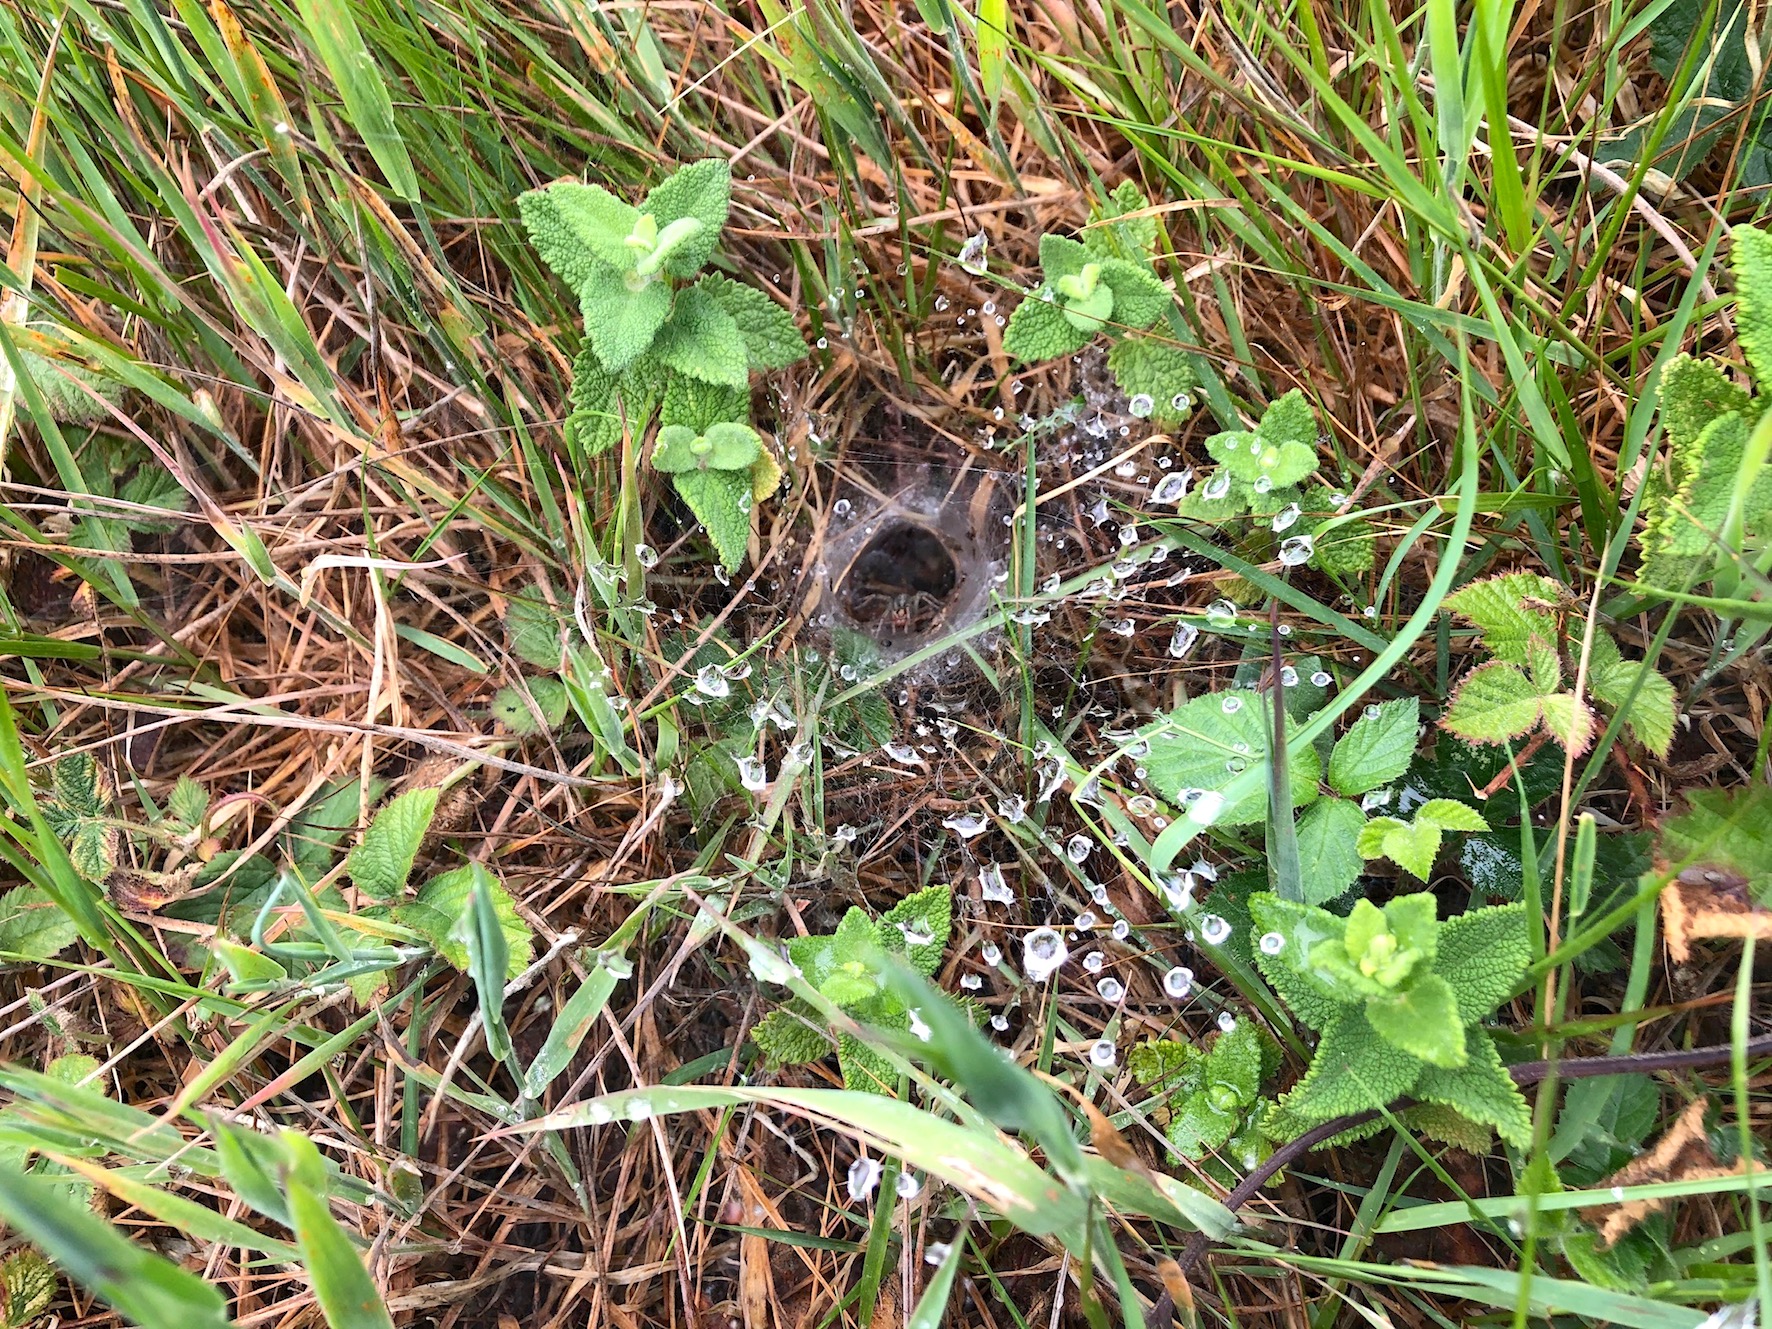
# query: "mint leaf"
{"points": [[726, 445], [919, 926], [1376, 749], [1281, 450], [1751, 258], [32, 926], [1693, 394], [702, 190], [621, 320], [1328, 834], [1112, 234], [1480, 1090], [1198, 1128], [701, 340], [1423, 1020], [1165, 374], [605, 404], [1139, 298], [1483, 954], [786, 1038], [532, 629], [771, 338], [1345, 546], [1202, 746], [382, 860], [698, 404], [442, 904], [578, 228], [1038, 330], [721, 501], [1354, 1069]]}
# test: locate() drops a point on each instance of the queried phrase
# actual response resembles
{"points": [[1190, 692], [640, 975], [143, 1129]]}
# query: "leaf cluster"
{"points": [[1105, 283], [1529, 681], [662, 341], [1396, 995], [1213, 1095], [845, 967]]}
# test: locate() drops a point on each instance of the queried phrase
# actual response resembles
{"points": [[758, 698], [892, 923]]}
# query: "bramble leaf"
{"points": [[513, 707], [1202, 746], [1410, 845], [1329, 861], [1494, 703], [78, 785], [382, 860], [188, 802], [32, 926], [1511, 611], [771, 338], [722, 502], [701, 340], [440, 905], [1611, 679], [1376, 749]]}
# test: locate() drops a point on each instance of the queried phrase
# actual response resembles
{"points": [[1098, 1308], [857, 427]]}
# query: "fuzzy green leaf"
{"points": [[188, 802], [1569, 721], [1139, 298], [1165, 374], [1483, 954], [1281, 449], [513, 707], [382, 860], [1693, 393], [577, 228], [1424, 1021], [1328, 835], [604, 405], [92, 849], [1038, 330], [772, 339], [1751, 258], [1167, 1065], [1481, 1090], [697, 404], [532, 630], [1202, 746], [726, 445], [919, 927], [1344, 546], [721, 501], [1376, 749], [621, 320], [787, 1039], [864, 1069], [1411, 845], [702, 190], [442, 903], [1198, 1128], [1112, 234], [78, 786], [1451, 815], [701, 340], [1290, 420], [1354, 1068], [32, 926], [1063, 257], [1307, 993]]}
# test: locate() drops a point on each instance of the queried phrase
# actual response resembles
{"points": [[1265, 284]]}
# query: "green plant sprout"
{"points": [[1213, 1096], [1528, 683], [844, 967], [1707, 503], [1257, 498], [1106, 284], [1202, 746], [661, 341], [1396, 995]]}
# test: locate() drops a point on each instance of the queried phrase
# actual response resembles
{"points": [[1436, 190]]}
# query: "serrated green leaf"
{"points": [[1693, 393], [1197, 1127], [382, 860], [726, 445], [1290, 419], [441, 904], [919, 927], [1328, 836], [1353, 1069], [1202, 746], [188, 802], [1413, 846], [721, 501], [32, 926], [621, 320], [1612, 679], [1481, 1090], [1113, 234], [1143, 366], [1569, 721], [1167, 1065], [532, 630], [1423, 1020], [1038, 330], [92, 849], [577, 228], [1377, 748], [1511, 611], [1343, 546], [701, 340], [771, 338], [1307, 994], [788, 1039], [1483, 954], [78, 785], [1494, 703], [702, 190], [1451, 815], [1751, 259]]}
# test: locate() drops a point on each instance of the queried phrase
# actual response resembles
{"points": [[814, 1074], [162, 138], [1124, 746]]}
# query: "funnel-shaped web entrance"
{"points": [[902, 580]]}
